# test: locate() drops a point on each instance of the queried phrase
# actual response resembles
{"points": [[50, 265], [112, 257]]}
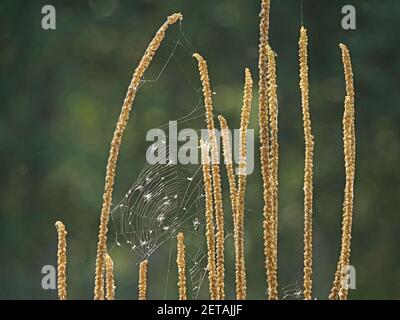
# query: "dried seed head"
{"points": [[241, 287], [61, 261], [143, 280], [216, 178], [349, 141], [180, 260], [272, 184], [210, 235], [227, 150], [308, 166], [110, 284], [114, 151], [268, 223]]}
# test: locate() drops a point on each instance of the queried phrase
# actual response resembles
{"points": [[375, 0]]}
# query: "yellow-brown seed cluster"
{"points": [[272, 159], [241, 286], [61, 261], [143, 280], [263, 69], [263, 86], [180, 260], [266, 71], [308, 166], [339, 289], [110, 283], [237, 195], [216, 178], [209, 209], [114, 151], [227, 151], [233, 193]]}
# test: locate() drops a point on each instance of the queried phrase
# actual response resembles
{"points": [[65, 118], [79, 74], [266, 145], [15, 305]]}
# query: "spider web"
{"points": [[167, 198]]}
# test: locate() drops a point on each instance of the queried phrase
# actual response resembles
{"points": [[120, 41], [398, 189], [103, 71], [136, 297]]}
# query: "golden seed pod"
{"points": [[180, 260], [209, 213], [339, 288], [143, 280], [216, 177], [110, 283], [114, 151], [308, 166], [61, 261]]}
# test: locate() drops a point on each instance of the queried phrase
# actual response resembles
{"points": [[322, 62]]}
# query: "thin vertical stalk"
{"points": [[180, 261], [210, 235], [273, 157], [143, 280], [308, 164], [216, 177], [61, 261], [340, 285], [114, 151], [241, 283], [110, 283]]}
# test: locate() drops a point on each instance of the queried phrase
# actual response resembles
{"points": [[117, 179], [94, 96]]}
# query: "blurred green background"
{"points": [[62, 90]]}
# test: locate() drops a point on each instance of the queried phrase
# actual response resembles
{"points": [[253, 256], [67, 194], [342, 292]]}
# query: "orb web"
{"points": [[165, 199]]}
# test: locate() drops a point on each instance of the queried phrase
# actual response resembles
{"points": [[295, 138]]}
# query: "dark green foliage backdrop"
{"points": [[61, 93]]}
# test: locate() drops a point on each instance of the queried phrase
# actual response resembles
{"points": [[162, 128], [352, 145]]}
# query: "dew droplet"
{"points": [[160, 218], [147, 196], [196, 223]]}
